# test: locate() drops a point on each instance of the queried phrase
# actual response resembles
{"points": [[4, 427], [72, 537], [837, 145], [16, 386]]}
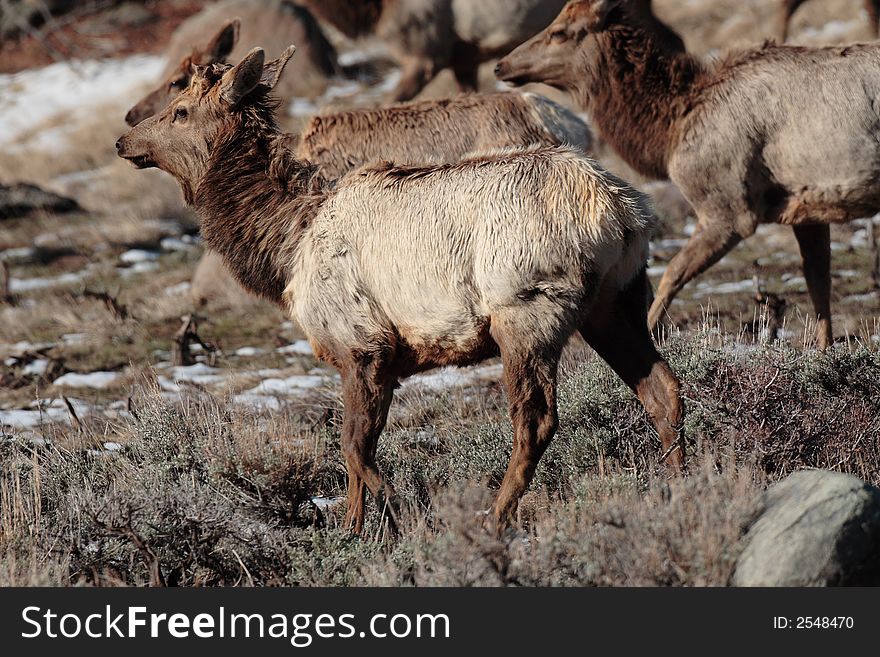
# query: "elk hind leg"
{"points": [[814, 241], [615, 328]]}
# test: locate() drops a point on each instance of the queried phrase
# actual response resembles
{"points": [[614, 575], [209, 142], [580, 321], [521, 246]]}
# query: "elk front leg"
{"points": [[814, 241], [786, 11], [616, 330], [873, 9], [530, 380], [367, 396], [417, 73], [466, 66], [709, 243]]}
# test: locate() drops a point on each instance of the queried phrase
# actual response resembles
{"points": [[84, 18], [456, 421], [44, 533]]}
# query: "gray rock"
{"points": [[22, 199], [815, 528]]}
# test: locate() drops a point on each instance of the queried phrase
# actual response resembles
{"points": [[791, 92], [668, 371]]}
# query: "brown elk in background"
{"points": [[790, 6], [226, 31], [393, 270], [428, 36], [774, 134]]}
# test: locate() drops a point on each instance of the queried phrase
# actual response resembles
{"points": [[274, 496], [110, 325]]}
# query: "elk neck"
{"points": [[255, 202], [638, 93]]}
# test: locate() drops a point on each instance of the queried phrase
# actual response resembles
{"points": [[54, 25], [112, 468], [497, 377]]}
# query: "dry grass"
{"points": [[207, 493]]}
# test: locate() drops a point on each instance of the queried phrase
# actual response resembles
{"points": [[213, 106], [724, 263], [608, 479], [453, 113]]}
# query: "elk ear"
{"points": [[273, 70], [223, 42], [242, 78], [601, 11]]}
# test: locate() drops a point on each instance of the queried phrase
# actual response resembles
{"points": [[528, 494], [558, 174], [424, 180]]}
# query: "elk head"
{"points": [[215, 52], [180, 139], [558, 55]]}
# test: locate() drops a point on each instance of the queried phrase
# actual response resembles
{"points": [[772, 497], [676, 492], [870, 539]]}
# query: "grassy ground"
{"points": [[197, 491], [191, 477]]}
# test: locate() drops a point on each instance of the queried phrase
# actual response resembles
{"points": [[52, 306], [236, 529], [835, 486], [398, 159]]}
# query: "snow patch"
{"points": [[293, 385], [134, 256], [19, 285], [249, 352], [72, 89], [707, 289], [446, 378], [96, 380], [301, 347], [36, 367]]}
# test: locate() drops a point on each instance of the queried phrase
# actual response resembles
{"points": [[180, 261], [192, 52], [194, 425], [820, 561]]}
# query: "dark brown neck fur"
{"points": [[256, 200], [640, 91]]}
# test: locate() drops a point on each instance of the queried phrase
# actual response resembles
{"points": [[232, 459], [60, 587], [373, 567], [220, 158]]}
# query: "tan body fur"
{"points": [[777, 134], [391, 270]]}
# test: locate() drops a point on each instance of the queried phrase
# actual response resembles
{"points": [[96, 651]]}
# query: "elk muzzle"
{"points": [[138, 157]]}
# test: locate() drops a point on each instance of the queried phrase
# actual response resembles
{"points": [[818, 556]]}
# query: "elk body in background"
{"points": [[393, 270], [770, 135], [428, 36], [226, 31], [790, 6]]}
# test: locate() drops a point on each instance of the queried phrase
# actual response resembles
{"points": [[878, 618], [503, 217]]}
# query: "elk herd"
{"points": [[444, 232]]}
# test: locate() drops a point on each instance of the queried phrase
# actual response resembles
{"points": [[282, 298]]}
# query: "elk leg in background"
{"points": [[814, 241]]}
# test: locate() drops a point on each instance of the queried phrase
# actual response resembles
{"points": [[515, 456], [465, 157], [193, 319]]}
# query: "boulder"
{"points": [[814, 528], [22, 199]]}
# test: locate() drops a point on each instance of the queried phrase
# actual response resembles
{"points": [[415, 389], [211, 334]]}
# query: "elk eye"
{"points": [[177, 84], [180, 112], [558, 36]]}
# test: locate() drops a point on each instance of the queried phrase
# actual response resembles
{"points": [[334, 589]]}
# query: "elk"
{"points": [[427, 36], [392, 270], [774, 134], [790, 6], [213, 36]]}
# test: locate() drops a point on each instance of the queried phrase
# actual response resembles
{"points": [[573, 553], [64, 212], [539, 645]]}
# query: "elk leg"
{"points": [[707, 245], [466, 66], [786, 12], [417, 73], [366, 397], [530, 380], [616, 330], [873, 9], [814, 241]]}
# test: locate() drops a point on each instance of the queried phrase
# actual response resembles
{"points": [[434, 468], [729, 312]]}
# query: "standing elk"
{"points": [[394, 270], [773, 134], [428, 36], [790, 6], [227, 30]]}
